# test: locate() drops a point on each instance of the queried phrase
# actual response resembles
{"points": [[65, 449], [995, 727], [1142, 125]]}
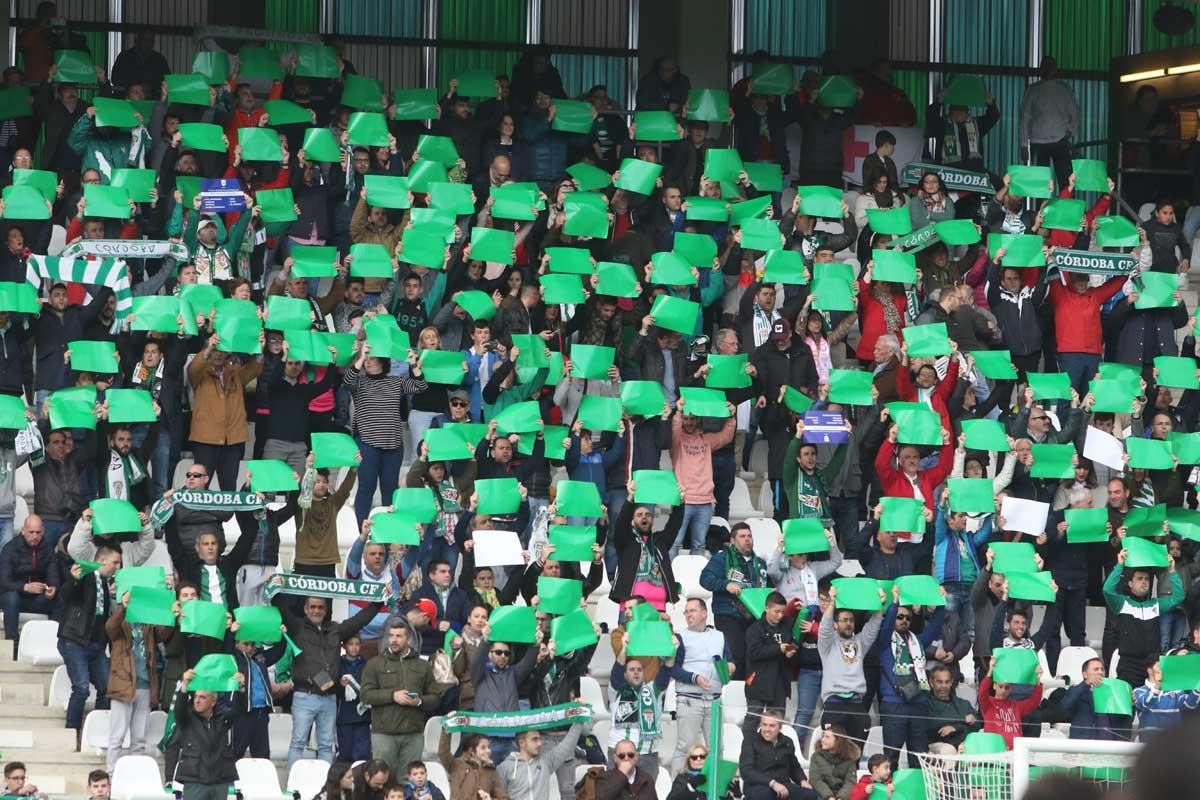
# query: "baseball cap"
{"points": [[204, 223], [779, 331], [460, 394]]}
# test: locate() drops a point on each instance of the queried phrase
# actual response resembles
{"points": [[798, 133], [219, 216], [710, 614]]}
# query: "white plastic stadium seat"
{"points": [[662, 784], [766, 536], [137, 778], [307, 777], [602, 659], [279, 735], [60, 689], [433, 732], [436, 774], [1071, 661], [95, 731], [591, 694], [733, 702], [39, 643], [740, 504], [257, 779], [607, 612], [687, 569], [156, 726], [731, 741]]}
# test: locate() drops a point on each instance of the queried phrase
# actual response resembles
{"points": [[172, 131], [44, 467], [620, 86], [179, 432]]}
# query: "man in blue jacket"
{"points": [[1078, 704], [904, 684], [956, 559]]}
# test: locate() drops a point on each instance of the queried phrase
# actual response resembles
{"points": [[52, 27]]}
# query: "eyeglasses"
{"points": [[626, 756], [1038, 419], [197, 475], [500, 652]]}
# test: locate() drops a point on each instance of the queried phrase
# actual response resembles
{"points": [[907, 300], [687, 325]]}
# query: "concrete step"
{"points": [[23, 692], [61, 772], [18, 737], [19, 717]]}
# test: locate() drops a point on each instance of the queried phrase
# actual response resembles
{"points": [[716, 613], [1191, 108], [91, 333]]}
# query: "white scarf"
{"points": [[808, 580], [914, 652], [123, 473]]}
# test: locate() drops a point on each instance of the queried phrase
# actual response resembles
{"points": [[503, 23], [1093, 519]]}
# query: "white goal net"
{"points": [[1005, 776]]}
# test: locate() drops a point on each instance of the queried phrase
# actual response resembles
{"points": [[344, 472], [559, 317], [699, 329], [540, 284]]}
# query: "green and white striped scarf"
{"points": [[109, 272]]}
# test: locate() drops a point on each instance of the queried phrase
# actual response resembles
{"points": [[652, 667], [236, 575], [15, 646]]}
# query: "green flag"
{"points": [[498, 495], [443, 367], [258, 624], [859, 594], [902, 515], [98, 357], [558, 595], [577, 499], [271, 475], [130, 405], [1086, 525], [1113, 696], [804, 536], [204, 618], [332, 450], [1015, 665], [113, 516], [656, 487], [1030, 181], [985, 434], [513, 624], [972, 495]]}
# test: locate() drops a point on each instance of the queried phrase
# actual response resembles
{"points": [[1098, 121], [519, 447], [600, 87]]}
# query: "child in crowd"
{"points": [[353, 718]]}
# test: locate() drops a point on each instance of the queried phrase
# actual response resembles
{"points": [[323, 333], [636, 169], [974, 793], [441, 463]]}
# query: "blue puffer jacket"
{"points": [[947, 544], [545, 150]]}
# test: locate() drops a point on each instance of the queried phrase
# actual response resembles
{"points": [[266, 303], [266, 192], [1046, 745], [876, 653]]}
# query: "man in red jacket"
{"points": [[901, 475], [1077, 324]]}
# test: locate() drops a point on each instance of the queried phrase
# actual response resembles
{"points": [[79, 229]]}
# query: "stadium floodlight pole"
{"points": [[1023, 747]]}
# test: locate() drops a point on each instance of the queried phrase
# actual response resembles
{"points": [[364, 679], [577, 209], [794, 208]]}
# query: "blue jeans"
{"points": [[958, 600], [354, 741], [54, 530], [1174, 628], [1081, 367], [6, 531], [380, 467], [85, 664], [14, 603], [808, 692], [844, 511], [160, 459], [308, 710], [904, 723], [696, 518]]}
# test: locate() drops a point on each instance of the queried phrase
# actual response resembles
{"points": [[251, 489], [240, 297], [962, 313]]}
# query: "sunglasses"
{"points": [[500, 652], [457, 403], [697, 757], [626, 756], [197, 475], [903, 616]]}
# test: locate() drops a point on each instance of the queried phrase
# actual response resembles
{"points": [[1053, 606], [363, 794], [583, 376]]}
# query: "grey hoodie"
{"points": [[842, 659], [530, 780]]}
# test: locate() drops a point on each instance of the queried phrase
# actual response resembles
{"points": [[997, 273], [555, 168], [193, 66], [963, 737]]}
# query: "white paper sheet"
{"points": [[497, 549], [1026, 516], [1104, 448]]}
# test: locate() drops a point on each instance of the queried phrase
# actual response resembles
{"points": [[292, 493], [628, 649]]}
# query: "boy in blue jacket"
{"points": [[353, 718]]}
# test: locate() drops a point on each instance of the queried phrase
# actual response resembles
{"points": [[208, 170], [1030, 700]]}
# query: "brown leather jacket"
{"points": [[219, 409]]}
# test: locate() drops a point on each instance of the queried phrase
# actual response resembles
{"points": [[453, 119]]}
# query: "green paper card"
{"points": [[972, 495], [577, 499], [832, 293], [368, 128], [492, 244], [308, 347], [600, 413], [1030, 181], [213, 65], [260, 144], [26, 202], [46, 182], [616, 280], [189, 90], [478, 83], [443, 367], [956, 232], [696, 249], [333, 450], [770, 78], [656, 487], [572, 542], [1020, 250], [754, 599], [270, 475], [147, 577], [476, 303], [424, 248], [258, 624], [515, 202], [706, 209], [1013, 557], [587, 215], [759, 234], [1180, 673], [643, 398], [1149, 453], [638, 176], [591, 362], [554, 435], [784, 266], [15, 103], [837, 91], [558, 595], [895, 266], [702, 402], [190, 187], [288, 314], [285, 112], [920, 590], [1050, 385], [709, 105], [927, 341], [395, 527], [1054, 461], [1113, 396], [723, 165], [742, 210], [859, 594], [149, 606], [513, 624], [1116, 232], [446, 444], [804, 536], [893, 222], [655, 126], [985, 434], [1143, 521], [1016, 665], [110, 202], [12, 412], [1186, 447], [570, 260], [313, 261], [74, 66], [123, 114], [559, 289], [98, 357], [316, 61], [438, 148], [371, 261], [498, 495], [966, 90], [259, 62], [154, 313], [1086, 525], [1091, 175], [573, 116], [278, 205], [675, 314], [820, 201], [74, 407], [1032, 586], [588, 177], [214, 673], [671, 270], [1176, 372], [238, 334], [765, 176], [1143, 553], [573, 632], [850, 387], [203, 618], [361, 92], [728, 372], [995, 364], [1155, 290], [902, 515], [1113, 696], [919, 426], [130, 405], [386, 338], [651, 638], [796, 401], [137, 183], [342, 343], [453, 197], [415, 104], [202, 136], [113, 516], [1063, 214]]}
